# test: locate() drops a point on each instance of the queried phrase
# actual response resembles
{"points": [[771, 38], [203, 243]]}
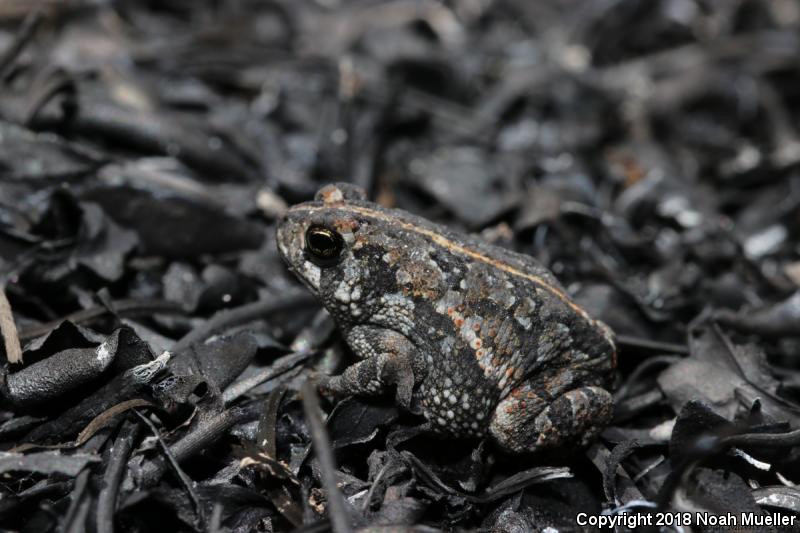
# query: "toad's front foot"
{"points": [[372, 377]]}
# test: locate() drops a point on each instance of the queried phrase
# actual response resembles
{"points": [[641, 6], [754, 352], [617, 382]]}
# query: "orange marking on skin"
{"points": [[331, 196], [346, 225]]}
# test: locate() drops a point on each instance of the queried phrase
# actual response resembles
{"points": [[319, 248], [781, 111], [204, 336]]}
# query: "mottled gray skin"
{"points": [[481, 339]]}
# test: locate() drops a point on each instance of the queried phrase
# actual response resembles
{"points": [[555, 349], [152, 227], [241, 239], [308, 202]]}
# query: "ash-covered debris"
{"points": [[646, 151]]}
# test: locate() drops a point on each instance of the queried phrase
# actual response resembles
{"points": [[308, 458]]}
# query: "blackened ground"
{"points": [[645, 150]]}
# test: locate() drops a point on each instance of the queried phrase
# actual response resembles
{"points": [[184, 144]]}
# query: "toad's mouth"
{"points": [[307, 272], [295, 261]]}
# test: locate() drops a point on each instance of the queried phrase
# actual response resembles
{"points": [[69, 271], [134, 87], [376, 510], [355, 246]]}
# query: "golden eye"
{"points": [[323, 244]]}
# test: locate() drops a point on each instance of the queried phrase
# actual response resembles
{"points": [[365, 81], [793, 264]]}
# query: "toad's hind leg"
{"points": [[527, 423]]}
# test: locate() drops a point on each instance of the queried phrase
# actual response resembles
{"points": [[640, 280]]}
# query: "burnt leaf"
{"points": [[781, 319], [778, 497], [696, 432], [63, 337], [355, 422], [50, 378], [29, 156], [220, 360], [93, 240], [467, 182], [176, 227], [726, 376], [51, 462], [721, 492]]}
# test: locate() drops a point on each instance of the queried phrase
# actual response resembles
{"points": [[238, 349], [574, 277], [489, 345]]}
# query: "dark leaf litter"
{"points": [[646, 151]]}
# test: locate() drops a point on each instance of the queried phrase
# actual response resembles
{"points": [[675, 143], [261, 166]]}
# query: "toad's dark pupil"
{"points": [[323, 243]]}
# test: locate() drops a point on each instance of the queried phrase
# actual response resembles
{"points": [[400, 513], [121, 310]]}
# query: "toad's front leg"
{"points": [[388, 360]]}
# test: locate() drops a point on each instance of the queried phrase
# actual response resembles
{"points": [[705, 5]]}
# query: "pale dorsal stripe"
{"points": [[455, 248]]}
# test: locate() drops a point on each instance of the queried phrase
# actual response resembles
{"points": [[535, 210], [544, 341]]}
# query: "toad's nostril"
{"points": [[201, 389]]}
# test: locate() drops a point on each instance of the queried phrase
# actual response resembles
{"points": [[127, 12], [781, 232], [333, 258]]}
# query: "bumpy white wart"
{"points": [[482, 340]]}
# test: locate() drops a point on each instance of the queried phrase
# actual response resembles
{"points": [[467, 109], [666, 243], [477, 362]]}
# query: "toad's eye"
{"points": [[324, 245]]}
